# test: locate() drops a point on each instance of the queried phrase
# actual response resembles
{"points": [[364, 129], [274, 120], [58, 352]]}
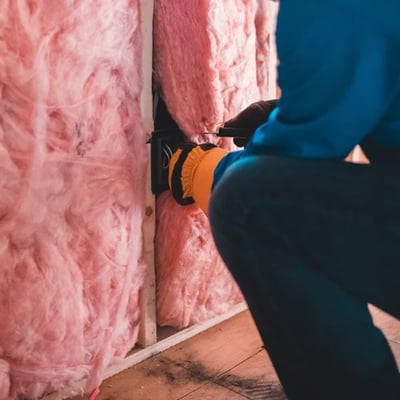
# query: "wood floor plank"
{"points": [[254, 378], [212, 352], [395, 346], [212, 391], [226, 362], [153, 379]]}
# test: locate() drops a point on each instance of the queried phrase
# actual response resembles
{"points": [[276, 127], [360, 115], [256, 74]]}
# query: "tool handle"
{"points": [[240, 133]]}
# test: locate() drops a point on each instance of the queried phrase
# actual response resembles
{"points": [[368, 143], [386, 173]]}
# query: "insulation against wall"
{"points": [[194, 284], [72, 170], [212, 59]]}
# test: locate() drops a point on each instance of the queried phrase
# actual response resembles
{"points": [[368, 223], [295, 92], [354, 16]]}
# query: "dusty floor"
{"points": [[226, 362]]}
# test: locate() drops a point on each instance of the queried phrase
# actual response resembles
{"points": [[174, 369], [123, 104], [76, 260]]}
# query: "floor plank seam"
{"points": [[253, 389], [191, 392], [257, 390], [232, 390], [243, 361]]}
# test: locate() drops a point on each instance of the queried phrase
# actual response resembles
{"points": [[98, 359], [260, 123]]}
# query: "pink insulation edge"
{"points": [[211, 61], [73, 164]]}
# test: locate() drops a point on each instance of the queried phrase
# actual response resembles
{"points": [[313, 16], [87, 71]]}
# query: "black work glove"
{"points": [[251, 118]]}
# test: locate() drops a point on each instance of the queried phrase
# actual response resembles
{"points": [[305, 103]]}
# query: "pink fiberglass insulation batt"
{"points": [[194, 284], [72, 171], [211, 61]]}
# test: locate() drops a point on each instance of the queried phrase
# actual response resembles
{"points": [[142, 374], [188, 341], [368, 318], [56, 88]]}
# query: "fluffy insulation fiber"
{"points": [[212, 59], [72, 167]]}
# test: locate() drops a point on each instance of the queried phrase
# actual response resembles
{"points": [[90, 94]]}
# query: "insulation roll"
{"points": [[73, 163]]}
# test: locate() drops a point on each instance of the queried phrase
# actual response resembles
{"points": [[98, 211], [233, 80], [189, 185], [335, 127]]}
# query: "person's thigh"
{"points": [[342, 219]]}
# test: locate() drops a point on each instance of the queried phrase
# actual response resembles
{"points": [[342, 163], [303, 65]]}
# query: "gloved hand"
{"points": [[191, 173], [251, 118]]}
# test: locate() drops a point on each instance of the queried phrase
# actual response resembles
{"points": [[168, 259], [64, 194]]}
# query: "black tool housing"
{"points": [[165, 140]]}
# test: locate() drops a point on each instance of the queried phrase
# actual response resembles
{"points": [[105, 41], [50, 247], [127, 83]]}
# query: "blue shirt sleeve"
{"points": [[338, 73]]}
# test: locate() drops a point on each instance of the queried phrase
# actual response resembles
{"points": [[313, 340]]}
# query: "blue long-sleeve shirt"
{"points": [[339, 75]]}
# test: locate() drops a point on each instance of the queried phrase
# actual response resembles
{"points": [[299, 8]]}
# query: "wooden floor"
{"points": [[225, 362]]}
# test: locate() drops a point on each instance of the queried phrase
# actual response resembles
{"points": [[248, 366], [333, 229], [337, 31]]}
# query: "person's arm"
{"points": [[337, 75], [191, 168]]}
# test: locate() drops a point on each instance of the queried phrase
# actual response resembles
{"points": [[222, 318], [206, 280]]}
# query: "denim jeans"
{"points": [[311, 243]]}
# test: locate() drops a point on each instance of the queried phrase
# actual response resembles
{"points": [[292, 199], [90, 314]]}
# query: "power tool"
{"points": [[166, 139]]}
